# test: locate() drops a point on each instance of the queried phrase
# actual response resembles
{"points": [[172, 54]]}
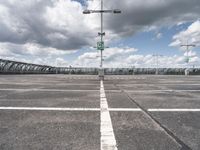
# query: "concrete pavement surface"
{"points": [[65, 112]]}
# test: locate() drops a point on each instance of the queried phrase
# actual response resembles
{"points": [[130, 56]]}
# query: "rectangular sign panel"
{"points": [[100, 45]]}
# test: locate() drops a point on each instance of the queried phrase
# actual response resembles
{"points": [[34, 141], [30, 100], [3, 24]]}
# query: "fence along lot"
{"points": [[13, 67]]}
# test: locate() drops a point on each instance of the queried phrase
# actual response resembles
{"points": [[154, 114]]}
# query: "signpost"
{"points": [[100, 45]]}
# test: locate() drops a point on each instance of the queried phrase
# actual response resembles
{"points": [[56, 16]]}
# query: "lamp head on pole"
{"points": [[86, 12], [117, 11]]}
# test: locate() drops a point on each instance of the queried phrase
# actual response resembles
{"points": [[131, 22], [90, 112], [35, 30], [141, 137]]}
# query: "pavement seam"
{"points": [[169, 133]]}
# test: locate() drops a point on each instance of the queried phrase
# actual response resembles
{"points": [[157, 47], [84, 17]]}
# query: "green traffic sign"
{"points": [[100, 45]]}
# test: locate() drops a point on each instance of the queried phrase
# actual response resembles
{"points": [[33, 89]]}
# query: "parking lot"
{"points": [[65, 112]]}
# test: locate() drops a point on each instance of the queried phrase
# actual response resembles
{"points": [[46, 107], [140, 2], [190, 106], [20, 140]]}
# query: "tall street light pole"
{"points": [[157, 56], [187, 50], [100, 45], [101, 34], [187, 59]]}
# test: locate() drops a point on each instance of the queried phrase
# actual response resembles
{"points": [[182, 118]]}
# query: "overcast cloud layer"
{"points": [[45, 30], [60, 23], [150, 14], [51, 23]]}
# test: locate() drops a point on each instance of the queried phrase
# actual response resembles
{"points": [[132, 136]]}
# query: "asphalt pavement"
{"points": [[65, 112]]}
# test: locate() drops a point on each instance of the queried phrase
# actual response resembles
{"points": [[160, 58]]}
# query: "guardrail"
{"points": [[151, 71], [14, 67]]}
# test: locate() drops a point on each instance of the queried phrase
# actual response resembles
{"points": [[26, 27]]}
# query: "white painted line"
{"points": [[49, 109], [174, 110], [49, 83], [125, 109], [108, 141], [136, 91], [133, 84], [48, 90], [103, 109]]}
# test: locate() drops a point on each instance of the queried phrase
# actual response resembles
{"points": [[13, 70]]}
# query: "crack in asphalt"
{"points": [[170, 133]]}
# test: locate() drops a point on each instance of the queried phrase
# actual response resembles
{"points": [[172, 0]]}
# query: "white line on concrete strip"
{"points": [[98, 109], [49, 109], [133, 84], [48, 90], [47, 83], [108, 141], [62, 90], [125, 109], [174, 110], [136, 91]]}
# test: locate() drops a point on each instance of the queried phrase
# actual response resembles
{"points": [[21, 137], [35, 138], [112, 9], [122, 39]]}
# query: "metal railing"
{"points": [[14, 67]]}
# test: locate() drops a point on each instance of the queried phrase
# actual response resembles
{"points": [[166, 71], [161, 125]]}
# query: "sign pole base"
{"points": [[101, 74], [187, 72]]}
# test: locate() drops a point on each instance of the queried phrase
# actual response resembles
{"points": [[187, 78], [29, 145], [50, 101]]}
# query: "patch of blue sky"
{"points": [[147, 43], [82, 2]]}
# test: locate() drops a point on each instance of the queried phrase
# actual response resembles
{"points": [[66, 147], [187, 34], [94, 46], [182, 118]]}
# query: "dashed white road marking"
{"points": [[174, 110], [49, 109], [108, 141]]}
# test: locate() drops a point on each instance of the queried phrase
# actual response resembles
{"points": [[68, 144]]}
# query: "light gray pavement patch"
{"points": [[119, 100], [19, 86], [78, 99], [148, 79], [110, 86], [136, 87], [4, 93], [183, 87], [136, 131], [166, 100], [185, 125], [32, 130], [72, 87], [56, 86], [48, 79]]}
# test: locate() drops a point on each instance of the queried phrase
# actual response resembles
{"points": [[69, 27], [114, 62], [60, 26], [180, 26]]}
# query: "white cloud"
{"points": [[42, 31], [114, 57], [60, 62], [58, 24], [119, 57], [110, 55], [154, 14], [159, 35], [190, 35], [33, 53]]}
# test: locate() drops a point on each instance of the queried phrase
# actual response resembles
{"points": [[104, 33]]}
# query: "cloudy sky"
{"points": [[55, 32]]}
